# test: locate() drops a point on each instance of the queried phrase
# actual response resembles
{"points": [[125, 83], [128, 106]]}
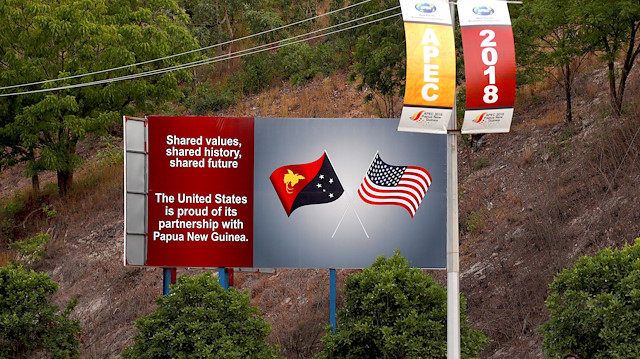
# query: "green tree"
{"points": [[379, 53], [202, 320], [549, 44], [30, 325], [595, 307], [612, 29], [394, 311], [11, 150], [215, 21], [294, 11], [47, 39]]}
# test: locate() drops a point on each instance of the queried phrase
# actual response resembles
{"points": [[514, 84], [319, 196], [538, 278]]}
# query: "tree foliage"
{"points": [[30, 325], [548, 40], [394, 311], [46, 39], [595, 307], [214, 21], [202, 320], [612, 29], [379, 53]]}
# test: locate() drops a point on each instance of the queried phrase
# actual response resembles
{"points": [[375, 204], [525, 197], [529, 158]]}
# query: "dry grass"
{"points": [[591, 90], [331, 96], [5, 257], [616, 151], [527, 154], [552, 117], [548, 83]]}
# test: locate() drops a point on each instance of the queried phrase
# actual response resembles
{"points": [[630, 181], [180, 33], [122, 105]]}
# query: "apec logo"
{"points": [[483, 10], [426, 7]]}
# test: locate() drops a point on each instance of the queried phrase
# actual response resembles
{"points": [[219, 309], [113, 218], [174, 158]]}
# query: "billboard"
{"points": [[281, 192]]}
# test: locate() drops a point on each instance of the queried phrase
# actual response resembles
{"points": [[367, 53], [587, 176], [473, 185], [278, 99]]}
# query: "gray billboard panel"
{"points": [[346, 233]]}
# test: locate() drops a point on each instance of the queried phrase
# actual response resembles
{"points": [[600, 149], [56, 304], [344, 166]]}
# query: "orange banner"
{"points": [[431, 69]]}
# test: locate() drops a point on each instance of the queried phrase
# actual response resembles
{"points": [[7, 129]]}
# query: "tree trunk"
{"points": [[620, 95], [65, 179], [219, 24], [612, 89], [35, 185], [230, 29], [567, 92]]}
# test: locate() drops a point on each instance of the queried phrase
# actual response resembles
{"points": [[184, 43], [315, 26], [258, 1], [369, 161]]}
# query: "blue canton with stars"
{"points": [[383, 174], [325, 187]]}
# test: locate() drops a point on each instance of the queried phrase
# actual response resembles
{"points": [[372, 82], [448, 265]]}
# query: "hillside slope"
{"points": [[531, 202]]}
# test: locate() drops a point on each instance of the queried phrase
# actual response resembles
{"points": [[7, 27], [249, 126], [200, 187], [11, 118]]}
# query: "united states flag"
{"points": [[403, 186]]}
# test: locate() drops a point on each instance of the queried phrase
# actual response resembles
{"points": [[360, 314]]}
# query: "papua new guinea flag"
{"points": [[309, 183]]}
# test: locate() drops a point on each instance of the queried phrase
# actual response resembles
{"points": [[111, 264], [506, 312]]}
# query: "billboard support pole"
{"points": [[453, 255], [223, 277], [168, 278], [230, 277], [332, 298]]}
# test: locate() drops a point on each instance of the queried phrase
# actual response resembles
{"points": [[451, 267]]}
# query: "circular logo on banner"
{"points": [[483, 10], [425, 7]]}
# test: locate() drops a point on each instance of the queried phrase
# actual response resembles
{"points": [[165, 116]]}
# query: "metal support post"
{"points": [[223, 277], [230, 276], [332, 298], [453, 260], [453, 255], [168, 278]]}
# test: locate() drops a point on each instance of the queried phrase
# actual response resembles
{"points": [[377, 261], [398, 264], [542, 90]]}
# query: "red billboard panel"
{"points": [[200, 201]]}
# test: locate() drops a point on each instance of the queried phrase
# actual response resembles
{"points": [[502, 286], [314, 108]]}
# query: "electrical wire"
{"points": [[183, 53], [241, 53]]}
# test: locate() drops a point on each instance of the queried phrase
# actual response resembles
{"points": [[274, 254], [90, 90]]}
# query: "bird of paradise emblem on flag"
{"points": [[403, 186], [309, 183]]}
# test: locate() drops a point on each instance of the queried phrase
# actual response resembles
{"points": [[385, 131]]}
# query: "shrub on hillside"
{"points": [[202, 320], [394, 311], [595, 307], [258, 72], [210, 99], [301, 62], [30, 325]]}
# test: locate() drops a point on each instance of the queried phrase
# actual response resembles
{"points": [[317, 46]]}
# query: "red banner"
{"points": [[490, 69], [491, 82]]}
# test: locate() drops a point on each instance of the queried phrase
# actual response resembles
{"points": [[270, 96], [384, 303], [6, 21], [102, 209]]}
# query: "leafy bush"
{"points": [[595, 307], [209, 98], [481, 163], [394, 311], [10, 210], [301, 61], [30, 325], [31, 249], [258, 72], [110, 152], [202, 320]]}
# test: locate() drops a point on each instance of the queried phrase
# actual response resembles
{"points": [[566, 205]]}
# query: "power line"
{"points": [[241, 53], [182, 53]]}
